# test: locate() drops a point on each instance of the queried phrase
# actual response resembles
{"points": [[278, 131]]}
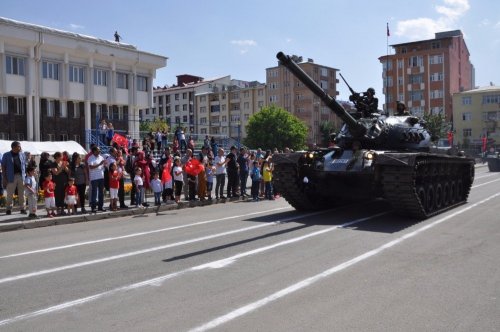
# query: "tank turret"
{"points": [[376, 156]]}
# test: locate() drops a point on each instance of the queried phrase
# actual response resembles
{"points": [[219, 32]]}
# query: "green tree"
{"points": [[326, 128], [437, 126], [155, 125], [273, 127]]}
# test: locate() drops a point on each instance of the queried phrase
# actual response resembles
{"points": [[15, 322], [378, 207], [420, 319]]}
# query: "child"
{"points": [[167, 181], [267, 175], [139, 187], [256, 179], [48, 192], [178, 179], [30, 189], [114, 185], [210, 171], [70, 194], [157, 188]]}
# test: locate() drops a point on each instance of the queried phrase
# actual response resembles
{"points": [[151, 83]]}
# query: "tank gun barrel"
{"points": [[355, 127]]}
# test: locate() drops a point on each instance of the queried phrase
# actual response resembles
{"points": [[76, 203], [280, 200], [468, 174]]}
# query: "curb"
{"points": [[25, 223]]}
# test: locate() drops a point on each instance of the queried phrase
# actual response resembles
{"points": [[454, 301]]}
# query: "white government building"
{"points": [[56, 85]]}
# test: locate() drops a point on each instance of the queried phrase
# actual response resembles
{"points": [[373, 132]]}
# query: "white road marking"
{"points": [[159, 280], [482, 184], [148, 250], [78, 244], [311, 280]]}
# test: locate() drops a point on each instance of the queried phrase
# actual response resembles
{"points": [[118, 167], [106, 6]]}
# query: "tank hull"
{"points": [[417, 184]]}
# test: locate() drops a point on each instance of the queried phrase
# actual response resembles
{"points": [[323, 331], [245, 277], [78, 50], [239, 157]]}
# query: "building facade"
{"points": [[285, 91], [425, 74], [214, 107], [476, 114], [57, 85]]}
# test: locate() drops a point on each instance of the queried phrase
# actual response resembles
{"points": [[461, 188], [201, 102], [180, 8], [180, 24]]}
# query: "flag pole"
{"points": [[386, 71]]}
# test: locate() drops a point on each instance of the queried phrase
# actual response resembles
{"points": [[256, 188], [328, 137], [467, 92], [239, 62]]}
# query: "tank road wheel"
{"points": [[438, 201], [422, 196], [431, 197], [446, 194], [453, 192], [460, 190]]}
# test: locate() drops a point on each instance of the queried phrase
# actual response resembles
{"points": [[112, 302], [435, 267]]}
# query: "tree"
{"points": [[155, 125], [326, 128], [273, 127], [437, 126]]}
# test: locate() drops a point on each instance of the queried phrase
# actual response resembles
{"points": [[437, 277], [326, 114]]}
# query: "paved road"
{"points": [[246, 266]]}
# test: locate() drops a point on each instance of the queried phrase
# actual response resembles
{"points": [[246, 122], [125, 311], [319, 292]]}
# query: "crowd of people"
{"points": [[66, 181]]}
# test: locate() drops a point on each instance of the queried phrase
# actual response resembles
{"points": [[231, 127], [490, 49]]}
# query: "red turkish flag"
{"points": [[485, 141], [120, 140]]}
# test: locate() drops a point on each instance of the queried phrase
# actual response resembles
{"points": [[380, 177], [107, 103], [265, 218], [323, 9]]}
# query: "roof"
{"points": [[36, 148], [488, 88], [438, 36]]}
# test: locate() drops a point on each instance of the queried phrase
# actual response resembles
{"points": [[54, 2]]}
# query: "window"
{"points": [[401, 97], [435, 94], [185, 119], [142, 83], [388, 81], [100, 77], [235, 118], [178, 119], [435, 45], [467, 100], [323, 84], [246, 116], [435, 59], [417, 111], [177, 108], [437, 110], [273, 99], [4, 135], [246, 106], [76, 138], [122, 81], [273, 73], [202, 98], [246, 94], [415, 61], [400, 80], [400, 64], [63, 113], [436, 77], [15, 65], [51, 108], [387, 65], [51, 137], [260, 92], [50, 70], [203, 121], [184, 95], [121, 112], [416, 79], [76, 74], [235, 95], [203, 109], [184, 107], [467, 132], [491, 99], [4, 105], [467, 116], [76, 111], [260, 104], [63, 137], [19, 136], [224, 118], [235, 107], [416, 95], [20, 106]]}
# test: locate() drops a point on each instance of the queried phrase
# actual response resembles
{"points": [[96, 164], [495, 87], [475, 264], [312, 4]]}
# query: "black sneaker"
{"points": [[33, 216], [101, 210], [8, 212], [123, 207], [23, 211]]}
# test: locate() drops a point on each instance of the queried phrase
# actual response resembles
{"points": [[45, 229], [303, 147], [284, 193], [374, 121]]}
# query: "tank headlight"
{"points": [[310, 155], [369, 155]]}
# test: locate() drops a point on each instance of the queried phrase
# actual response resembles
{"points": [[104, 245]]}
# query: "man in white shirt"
{"points": [[220, 173], [96, 177]]}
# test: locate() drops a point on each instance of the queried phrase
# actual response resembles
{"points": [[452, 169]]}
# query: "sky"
{"points": [[241, 38]]}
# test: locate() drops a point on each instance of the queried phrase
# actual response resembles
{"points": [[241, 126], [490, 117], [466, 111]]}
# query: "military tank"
{"points": [[375, 156]]}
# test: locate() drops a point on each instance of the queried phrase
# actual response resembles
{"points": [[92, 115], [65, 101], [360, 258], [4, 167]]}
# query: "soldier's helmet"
{"points": [[371, 91]]}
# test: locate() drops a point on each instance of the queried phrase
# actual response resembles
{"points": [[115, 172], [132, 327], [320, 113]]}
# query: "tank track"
{"points": [[430, 187], [289, 185]]}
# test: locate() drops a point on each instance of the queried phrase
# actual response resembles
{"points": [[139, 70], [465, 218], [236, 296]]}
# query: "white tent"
{"points": [[36, 148]]}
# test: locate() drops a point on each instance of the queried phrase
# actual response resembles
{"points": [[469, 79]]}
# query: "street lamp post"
{"points": [[239, 133]]}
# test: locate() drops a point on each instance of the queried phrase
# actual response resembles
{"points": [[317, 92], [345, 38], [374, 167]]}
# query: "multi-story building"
{"points": [[424, 74], [219, 107], [476, 114], [57, 85], [285, 91]]}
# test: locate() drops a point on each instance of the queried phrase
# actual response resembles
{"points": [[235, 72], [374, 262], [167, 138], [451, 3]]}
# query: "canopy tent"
{"points": [[36, 148]]}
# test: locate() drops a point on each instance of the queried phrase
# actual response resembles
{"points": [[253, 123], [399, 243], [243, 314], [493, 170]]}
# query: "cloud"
{"points": [[244, 42], [76, 26], [425, 28]]}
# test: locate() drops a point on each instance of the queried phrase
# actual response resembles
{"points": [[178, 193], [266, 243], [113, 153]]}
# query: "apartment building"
{"points": [[425, 74], [287, 92], [220, 106], [476, 114], [57, 85]]}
